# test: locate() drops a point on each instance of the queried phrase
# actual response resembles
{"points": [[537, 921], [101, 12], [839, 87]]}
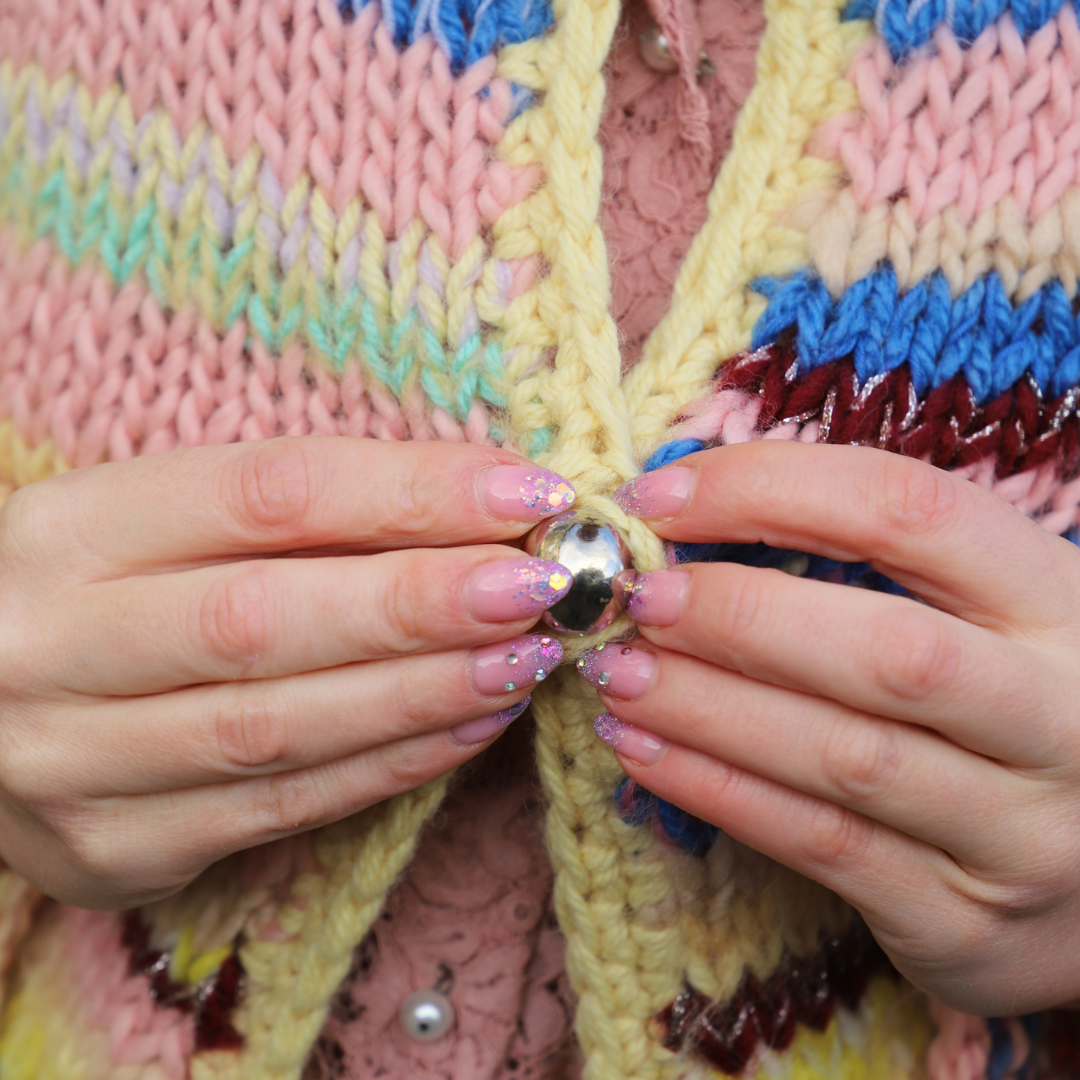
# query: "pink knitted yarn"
{"points": [[335, 99], [964, 127], [109, 375], [731, 416], [114, 1001]]}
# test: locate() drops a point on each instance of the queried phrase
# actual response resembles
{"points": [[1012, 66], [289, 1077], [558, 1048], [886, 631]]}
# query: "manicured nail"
{"points": [[507, 589], [506, 666], [659, 494], [633, 742], [618, 669], [656, 597], [523, 492], [483, 727]]}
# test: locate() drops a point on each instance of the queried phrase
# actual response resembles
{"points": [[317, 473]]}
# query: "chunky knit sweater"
{"points": [[607, 238]]}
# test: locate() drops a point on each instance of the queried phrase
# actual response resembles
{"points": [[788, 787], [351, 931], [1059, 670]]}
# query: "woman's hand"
{"points": [[922, 761], [210, 649]]}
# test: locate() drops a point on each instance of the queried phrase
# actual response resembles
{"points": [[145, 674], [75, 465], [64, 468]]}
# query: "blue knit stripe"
{"points": [[466, 30], [981, 334], [907, 24]]}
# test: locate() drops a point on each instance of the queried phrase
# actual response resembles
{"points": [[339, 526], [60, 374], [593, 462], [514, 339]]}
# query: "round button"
{"points": [[598, 560], [426, 1015], [654, 49]]}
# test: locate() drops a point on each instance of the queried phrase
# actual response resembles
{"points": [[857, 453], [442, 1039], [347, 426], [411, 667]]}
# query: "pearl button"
{"points": [[655, 51], [426, 1015]]}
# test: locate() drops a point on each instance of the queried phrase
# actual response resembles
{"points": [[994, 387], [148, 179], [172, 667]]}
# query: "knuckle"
{"points": [[91, 845], [916, 654], [406, 606], [861, 761], [235, 616], [401, 769], [253, 731], [748, 610], [419, 504], [837, 836], [289, 802], [913, 496], [272, 486]]}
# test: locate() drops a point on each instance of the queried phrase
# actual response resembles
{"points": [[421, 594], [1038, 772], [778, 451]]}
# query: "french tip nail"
{"points": [[483, 727], [629, 741]]}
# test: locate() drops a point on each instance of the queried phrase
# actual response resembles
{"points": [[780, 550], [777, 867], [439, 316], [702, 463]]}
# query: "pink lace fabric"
{"points": [[659, 160], [473, 917]]}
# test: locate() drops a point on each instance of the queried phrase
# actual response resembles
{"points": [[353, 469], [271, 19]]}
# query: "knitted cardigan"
{"points": [[233, 219]]}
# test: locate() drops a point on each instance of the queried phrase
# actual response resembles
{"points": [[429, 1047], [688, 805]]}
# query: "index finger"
{"points": [[287, 495], [961, 548]]}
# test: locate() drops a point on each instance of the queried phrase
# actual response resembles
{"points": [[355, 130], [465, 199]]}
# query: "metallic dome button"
{"points": [[595, 554], [426, 1015]]}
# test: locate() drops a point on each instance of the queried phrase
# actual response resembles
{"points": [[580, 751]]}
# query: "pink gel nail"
{"points": [[523, 492], [633, 742], [507, 666], [656, 598], [659, 494], [483, 727], [508, 589], [618, 669]]}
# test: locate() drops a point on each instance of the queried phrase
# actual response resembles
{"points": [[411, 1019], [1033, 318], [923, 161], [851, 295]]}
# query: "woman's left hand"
{"points": [[920, 759]]}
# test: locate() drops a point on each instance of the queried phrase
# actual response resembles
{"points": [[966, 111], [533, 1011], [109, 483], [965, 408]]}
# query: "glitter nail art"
{"points": [[504, 716], [663, 493], [591, 665], [611, 729], [540, 582], [546, 492]]}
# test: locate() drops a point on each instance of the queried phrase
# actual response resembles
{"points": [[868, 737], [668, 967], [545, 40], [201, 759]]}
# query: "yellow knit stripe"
{"points": [[799, 84]]}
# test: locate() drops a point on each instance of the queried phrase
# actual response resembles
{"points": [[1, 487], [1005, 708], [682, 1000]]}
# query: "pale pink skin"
{"points": [[922, 760], [173, 689]]}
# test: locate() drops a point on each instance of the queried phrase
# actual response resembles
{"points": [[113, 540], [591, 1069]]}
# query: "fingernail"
{"points": [[659, 494], [483, 727], [523, 492], [633, 742], [506, 666], [617, 669], [656, 597], [507, 589]]}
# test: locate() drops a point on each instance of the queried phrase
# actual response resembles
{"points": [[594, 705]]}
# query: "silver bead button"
{"points": [[426, 1015], [595, 554]]}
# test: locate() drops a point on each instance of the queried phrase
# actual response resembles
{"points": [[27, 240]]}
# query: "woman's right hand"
{"points": [[214, 648]]}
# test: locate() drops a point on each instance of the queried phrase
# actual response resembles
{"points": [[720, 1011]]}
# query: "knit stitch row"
{"points": [[905, 25], [962, 127], [980, 334]]}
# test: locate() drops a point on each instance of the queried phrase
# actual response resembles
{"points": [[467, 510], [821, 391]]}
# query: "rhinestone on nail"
{"points": [[510, 687], [512, 658], [627, 651], [603, 678], [540, 675], [581, 663], [426, 1015]]}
